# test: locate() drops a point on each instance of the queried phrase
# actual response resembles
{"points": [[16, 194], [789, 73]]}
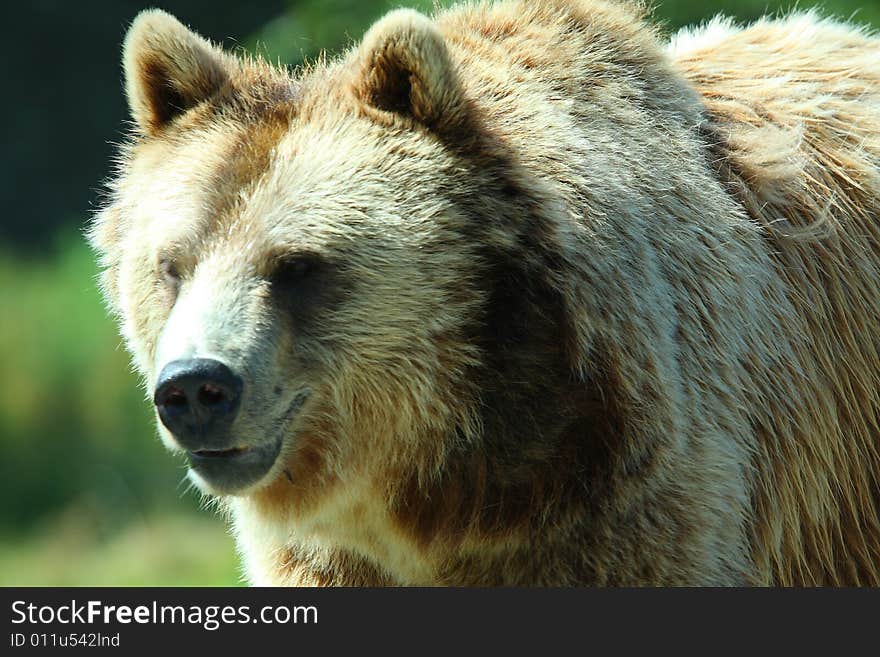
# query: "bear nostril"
{"points": [[210, 395], [175, 397]]}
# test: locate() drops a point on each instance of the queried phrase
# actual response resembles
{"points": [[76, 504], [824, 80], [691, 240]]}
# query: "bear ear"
{"points": [[168, 69], [403, 66]]}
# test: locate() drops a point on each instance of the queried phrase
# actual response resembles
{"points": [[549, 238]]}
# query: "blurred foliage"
{"points": [[164, 550], [87, 493], [677, 13], [309, 27]]}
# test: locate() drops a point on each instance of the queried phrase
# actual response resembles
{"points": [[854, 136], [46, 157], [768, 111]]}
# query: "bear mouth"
{"points": [[219, 453], [232, 470], [228, 471]]}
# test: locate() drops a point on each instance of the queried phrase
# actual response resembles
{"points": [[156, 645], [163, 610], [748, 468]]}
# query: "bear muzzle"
{"points": [[198, 400]]}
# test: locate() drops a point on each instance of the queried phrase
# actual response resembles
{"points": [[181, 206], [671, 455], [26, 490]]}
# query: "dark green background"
{"points": [[87, 494]]}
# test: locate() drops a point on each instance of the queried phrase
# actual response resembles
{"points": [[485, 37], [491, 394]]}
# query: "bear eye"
{"points": [[302, 283], [170, 274], [294, 269]]}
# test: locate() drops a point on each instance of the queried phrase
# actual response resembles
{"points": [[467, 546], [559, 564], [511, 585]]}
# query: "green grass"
{"points": [[170, 550]]}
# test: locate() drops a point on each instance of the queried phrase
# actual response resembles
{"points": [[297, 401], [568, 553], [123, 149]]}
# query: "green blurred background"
{"points": [[87, 494]]}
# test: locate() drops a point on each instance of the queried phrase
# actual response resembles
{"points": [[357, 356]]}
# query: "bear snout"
{"points": [[197, 400]]}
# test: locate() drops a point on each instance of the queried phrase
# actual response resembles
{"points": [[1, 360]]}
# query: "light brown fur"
{"points": [[591, 310], [794, 119]]}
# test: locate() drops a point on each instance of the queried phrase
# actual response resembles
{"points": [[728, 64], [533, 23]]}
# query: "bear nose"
{"points": [[197, 400]]}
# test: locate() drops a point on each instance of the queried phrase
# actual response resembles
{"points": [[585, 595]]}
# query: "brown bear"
{"points": [[517, 295]]}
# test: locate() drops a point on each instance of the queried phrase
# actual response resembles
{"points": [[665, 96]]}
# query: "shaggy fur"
{"points": [[582, 308]]}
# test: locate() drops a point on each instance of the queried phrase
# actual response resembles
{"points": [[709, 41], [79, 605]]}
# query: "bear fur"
{"points": [[580, 307]]}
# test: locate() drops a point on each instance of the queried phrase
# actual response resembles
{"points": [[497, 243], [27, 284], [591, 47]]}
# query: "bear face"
{"points": [[250, 229]]}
